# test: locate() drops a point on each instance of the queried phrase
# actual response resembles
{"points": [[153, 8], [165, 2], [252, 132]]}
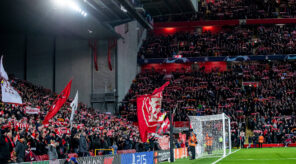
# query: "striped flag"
{"points": [[74, 106]]}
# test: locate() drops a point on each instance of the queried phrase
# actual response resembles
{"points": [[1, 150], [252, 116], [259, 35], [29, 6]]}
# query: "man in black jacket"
{"points": [[20, 149], [4, 149], [83, 145]]}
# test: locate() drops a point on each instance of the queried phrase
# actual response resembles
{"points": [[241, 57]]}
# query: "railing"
{"points": [[139, 158], [104, 150]]}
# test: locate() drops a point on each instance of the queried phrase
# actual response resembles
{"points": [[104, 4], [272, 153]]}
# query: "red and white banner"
{"points": [[59, 102], [62, 130], [164, 142], [22, 125], [149, 112], [30, 110], [9, 94]]}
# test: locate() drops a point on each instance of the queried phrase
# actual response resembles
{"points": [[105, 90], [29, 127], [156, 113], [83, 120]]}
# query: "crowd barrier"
{"points": [[126, 151], [270, 145], [180, 153], [106, 159], [152, 157], [161, 156]]}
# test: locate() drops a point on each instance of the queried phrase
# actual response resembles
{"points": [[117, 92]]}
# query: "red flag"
{"points": [[58, 103], [93, 46], [149, 112], [164, 126], [111, 45]]}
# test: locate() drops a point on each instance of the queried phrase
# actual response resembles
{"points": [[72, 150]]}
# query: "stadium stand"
{"points": [[104, 131], [264, 106], [258, 96], [231, 41], [239, 9]]}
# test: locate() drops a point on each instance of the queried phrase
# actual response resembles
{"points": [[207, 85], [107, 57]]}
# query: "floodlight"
{"points": [[71, 4]]}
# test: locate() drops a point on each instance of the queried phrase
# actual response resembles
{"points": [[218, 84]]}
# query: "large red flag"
{"points": [[149, 112], [58, 103]]}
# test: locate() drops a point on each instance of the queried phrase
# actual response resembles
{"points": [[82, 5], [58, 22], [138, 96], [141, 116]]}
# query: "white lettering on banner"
{"points": [[10, 95], [141, 159], [30, 110]]}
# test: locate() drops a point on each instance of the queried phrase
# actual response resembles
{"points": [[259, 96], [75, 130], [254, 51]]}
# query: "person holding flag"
{"points": [[149, 112], [58, 103]]}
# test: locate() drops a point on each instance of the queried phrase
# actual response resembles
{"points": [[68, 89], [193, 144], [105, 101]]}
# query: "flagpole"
{"points": [[171, 135], [171, 138]]}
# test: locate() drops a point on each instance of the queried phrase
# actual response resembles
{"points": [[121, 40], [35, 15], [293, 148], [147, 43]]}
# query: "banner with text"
{"points": [[137, 158], [161, 156]]}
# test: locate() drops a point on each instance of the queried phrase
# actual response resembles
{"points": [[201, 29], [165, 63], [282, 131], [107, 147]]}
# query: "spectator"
{"points": [[115, 147], [239, 9], [4, 149], [229, 41], [83, 145], [52, 151], [20, 149]]}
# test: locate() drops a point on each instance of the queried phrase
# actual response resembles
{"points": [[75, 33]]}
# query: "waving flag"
{"points": [[58, 103], [149, 112], [164, 126], [9, 94], [3, 73], [74, 106]]}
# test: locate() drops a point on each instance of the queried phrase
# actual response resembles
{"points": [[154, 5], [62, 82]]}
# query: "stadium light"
{"points": [[59, 3], [71, 4]]}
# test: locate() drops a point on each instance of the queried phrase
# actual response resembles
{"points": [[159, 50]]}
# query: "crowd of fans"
{"points": [[240, 40], [236, 9], [23, 137], [265, 106]]}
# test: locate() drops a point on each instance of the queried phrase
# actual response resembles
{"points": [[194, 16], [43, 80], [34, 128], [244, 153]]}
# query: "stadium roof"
{"points": [[168, 7], [42, 17]]}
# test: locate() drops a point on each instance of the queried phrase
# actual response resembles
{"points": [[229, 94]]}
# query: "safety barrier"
{"points": [[180, 153], [127, 158], [161, 156], [126, 151], [137, 158], [104, 150], [270, 145]]}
